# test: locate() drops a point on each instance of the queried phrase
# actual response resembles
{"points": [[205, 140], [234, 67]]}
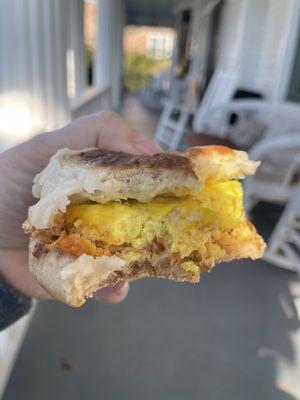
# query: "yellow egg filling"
{"points": [[182, 225]]}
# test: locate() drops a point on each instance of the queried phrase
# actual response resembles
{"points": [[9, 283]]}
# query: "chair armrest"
{"points": [[293, 171], [216, 116], [271, 144], [242, 105]]}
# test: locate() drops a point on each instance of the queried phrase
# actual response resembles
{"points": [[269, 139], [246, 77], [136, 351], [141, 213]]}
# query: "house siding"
{"points": [[274, 45], [254, 41], [228, 51], [257, 51], [200, 30]]}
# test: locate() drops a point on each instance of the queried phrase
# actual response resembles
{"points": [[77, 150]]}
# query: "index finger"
{"points": [[106, 130]]}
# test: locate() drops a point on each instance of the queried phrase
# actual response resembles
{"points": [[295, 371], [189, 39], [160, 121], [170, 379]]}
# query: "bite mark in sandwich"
{"points": [[106, 216]]}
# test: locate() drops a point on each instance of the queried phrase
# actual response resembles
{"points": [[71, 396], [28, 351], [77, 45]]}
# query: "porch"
{"points": [[234, 336]]}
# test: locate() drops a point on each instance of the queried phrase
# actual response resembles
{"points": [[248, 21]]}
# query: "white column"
{"points": [[49, 41], [33, 83], [108, 57], [289, 44], [117, 71], [233, 25], [103, 55], [239, 43], [76, 53]]}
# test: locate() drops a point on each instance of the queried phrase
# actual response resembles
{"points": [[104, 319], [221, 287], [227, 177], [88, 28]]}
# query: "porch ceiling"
{"points": [[150, 12]]}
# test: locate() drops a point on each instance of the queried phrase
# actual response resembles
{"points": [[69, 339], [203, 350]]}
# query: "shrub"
{"points": [[139, 68]]}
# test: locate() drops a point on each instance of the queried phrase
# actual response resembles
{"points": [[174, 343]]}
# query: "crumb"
{"points": [[66, 365]]}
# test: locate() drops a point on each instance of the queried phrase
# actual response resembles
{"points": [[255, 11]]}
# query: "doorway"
{"points": [[294, 88], [184, 43]]}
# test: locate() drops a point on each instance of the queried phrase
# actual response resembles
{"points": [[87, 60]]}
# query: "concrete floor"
{"points": [[234, 336]]}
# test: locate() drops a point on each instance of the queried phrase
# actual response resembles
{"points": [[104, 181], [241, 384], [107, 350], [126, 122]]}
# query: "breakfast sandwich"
{"points": [[107, 216]]}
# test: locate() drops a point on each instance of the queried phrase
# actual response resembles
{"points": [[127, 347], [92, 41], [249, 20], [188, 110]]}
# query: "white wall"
{"points": [[254, 41], [252, 54], [32, 68], [257, 39], [272, 15], [33, 97], [200, 30], [33, 90], [277, 38], [243, 27], [228, 34]]}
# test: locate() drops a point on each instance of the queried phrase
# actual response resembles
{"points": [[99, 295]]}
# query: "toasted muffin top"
{"points": [[120, 160]]}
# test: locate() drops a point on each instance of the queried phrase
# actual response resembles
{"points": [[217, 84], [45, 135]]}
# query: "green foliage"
{"points": [[139, 69]]}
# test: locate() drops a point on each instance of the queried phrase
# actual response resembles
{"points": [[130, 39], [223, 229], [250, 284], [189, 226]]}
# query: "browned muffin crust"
{"points": [[119, 160]]}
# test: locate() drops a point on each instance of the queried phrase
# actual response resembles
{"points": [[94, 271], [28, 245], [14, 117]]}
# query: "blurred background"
{"points": [[185, 72]]}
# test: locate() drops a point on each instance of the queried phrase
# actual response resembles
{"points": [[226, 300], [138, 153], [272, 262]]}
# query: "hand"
{"points": [[20, 164]]}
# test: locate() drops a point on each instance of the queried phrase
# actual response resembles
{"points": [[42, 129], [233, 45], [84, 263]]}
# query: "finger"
{"points": [[113, 294], [116, 135], [106, 130]]}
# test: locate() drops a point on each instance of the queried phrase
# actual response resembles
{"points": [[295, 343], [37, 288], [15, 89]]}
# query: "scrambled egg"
{"points": [[182, 225]]}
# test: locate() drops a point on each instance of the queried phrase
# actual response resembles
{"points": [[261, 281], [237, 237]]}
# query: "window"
{"points": [[184, 43], [90, 37], [81, 47], [160, 45]]}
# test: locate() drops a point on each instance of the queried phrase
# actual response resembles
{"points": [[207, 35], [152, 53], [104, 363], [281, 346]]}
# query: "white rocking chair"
{"points": [[170, 130], [175, 116], [254, 120], [219, 92], [283, 249], [278, 174]]}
